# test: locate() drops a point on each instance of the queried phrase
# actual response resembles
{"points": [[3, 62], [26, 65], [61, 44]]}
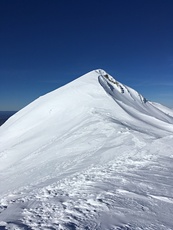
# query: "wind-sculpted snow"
{"points": [[94, 154]]}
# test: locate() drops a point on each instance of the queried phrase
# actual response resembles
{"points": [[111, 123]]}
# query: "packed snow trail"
{"points": [[94, 154], [132, 192]]}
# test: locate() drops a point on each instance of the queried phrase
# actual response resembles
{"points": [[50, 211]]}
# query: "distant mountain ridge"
{"points": [[4, 115]]}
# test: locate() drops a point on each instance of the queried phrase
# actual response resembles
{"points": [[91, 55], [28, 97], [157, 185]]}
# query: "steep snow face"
{"points": [[136, 105], [88, 149]]}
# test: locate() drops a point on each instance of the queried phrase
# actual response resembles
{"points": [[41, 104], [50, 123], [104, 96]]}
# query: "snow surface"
{"points": [[93, 154]]}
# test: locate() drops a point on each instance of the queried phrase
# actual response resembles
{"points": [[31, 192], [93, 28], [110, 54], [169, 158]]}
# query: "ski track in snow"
{"points": [[108, 167]]}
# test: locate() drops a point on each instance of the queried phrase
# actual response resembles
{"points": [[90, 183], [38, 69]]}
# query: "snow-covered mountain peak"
{"points": [[95, 91], [93, 154]]}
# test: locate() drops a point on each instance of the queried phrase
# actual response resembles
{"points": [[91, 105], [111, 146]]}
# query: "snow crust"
{"points": [[93, 154]]}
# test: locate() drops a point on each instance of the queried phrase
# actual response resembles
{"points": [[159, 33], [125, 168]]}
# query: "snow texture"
{"points": [[93, 154]]}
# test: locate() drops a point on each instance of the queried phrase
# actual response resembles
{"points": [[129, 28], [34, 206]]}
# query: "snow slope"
{"points": [[93, 154]]}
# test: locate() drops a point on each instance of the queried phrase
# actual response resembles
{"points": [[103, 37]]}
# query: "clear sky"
{"points": [[45, 44]]}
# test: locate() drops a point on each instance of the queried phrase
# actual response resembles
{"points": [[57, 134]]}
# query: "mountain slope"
{"points": [[86, 156]]}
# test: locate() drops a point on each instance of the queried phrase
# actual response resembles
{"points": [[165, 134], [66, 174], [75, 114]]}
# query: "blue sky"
{"points": [[45, 44]]}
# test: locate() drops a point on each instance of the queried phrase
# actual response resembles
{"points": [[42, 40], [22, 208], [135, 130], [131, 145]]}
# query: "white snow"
{"points": [[94, 154]]}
